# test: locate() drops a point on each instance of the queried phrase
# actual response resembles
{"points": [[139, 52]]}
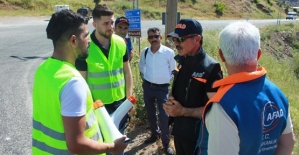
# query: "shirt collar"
{"points": [[240, 77], [160, 50]]}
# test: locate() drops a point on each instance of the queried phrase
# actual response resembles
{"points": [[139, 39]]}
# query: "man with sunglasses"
{"points": [[192, 87], [156, 66]]}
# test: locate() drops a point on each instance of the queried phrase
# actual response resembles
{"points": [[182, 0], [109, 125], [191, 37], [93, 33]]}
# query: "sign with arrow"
{"points": [[134, 17]]}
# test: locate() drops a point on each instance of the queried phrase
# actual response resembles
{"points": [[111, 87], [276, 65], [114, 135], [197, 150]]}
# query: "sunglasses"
{"points": [[153, 36], [182, 39]]}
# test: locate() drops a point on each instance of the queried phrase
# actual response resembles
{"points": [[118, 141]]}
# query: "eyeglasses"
{"points": [[182, 39], [153, 36]]}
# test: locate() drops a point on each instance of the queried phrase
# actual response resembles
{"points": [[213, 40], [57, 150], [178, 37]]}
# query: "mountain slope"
{"points": [[153, 9]]}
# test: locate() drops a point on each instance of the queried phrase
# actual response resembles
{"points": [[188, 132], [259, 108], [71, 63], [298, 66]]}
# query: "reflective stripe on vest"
{"points": [[44, 147], [60, 136], [47, 131], [107, 86], [105, 74]]}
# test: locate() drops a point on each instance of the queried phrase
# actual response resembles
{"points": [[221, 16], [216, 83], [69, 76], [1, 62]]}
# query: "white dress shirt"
{"points": [[157, 67]]}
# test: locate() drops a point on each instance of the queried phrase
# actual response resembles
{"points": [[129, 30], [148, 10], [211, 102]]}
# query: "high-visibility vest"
{"points": [[48, 135], [105, 77]]}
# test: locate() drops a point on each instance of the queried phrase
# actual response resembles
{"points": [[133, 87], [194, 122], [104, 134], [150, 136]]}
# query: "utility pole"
{"points": [[133, 4], [279, 13], [137, 7], [171, 18]]}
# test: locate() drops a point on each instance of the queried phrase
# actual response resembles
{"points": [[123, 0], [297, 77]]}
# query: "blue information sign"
{"points": [[134, 19]]}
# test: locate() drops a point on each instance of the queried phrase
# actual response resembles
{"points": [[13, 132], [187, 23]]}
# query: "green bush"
{"points": [[269, 2], [220, 7], [139, 107], [194, 1], [270, 9], [26, 3], [296, 64]]}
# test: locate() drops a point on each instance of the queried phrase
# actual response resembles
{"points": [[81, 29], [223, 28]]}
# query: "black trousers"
{"points": [[184, 147], [151, 94]]}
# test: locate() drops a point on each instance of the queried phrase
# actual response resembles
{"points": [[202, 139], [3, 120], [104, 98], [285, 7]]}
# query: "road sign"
{"points": [[134, 17]]}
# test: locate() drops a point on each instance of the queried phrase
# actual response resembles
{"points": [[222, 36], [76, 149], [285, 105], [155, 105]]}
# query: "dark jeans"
{"points": [[124, 122], [150, 95], [184, 147]]}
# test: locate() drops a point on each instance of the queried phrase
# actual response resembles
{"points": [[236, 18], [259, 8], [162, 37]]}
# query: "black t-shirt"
{"points": [[81, 64]]}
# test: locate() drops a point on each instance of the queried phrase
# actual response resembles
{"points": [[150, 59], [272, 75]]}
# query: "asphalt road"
{"points": [[23, 46]]}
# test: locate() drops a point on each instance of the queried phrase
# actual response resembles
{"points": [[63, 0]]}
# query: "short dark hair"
{"points": [[63, 24], [153, 29], [101, 10]]}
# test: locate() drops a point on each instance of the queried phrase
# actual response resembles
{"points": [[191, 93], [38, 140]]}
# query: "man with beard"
{"points": [[156, 66], [60, 92], [192, 87], [107, 69]]}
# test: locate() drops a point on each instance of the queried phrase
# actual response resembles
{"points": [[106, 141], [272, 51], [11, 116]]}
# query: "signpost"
{"points": [[134, 17]]}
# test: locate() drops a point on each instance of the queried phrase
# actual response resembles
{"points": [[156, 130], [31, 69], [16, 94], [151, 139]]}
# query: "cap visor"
{"points": [[123, 22], [172, 34]]}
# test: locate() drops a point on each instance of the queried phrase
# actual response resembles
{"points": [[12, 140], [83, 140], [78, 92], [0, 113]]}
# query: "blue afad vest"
{"points": [[257, 107]]}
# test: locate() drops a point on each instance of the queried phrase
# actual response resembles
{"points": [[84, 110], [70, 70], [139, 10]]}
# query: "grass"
{"points": [[282, 71], [151, 9]]}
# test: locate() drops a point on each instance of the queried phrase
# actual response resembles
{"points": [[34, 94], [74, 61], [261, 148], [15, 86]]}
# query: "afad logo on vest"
{"points": [[271, 115], [198, 75]]}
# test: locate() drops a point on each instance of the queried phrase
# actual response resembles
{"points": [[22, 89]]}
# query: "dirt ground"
{"points": [[139, 132]]}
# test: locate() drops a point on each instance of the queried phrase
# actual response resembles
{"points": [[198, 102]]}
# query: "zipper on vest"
{"points": [[202, 135], [187, 90]]}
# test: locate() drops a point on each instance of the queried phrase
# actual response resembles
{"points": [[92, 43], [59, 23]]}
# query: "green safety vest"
{"points": [[105, 77], [48, 135]]}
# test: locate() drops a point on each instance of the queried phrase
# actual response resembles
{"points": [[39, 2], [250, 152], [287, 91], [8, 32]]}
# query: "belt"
{"points": [[157, 85]]}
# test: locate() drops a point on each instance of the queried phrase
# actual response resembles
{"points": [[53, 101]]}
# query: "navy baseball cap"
{"points": [[185, 27], [121, 19]]}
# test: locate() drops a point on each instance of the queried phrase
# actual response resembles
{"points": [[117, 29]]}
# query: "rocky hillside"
{"points": [[293, 3], [153, 9]]}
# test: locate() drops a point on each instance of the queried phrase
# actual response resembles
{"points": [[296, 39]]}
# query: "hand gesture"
{"points": [[173, 108]]}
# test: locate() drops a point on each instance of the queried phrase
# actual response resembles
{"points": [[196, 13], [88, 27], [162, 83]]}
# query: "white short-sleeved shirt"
{"points": [[73, 97], [221, 127]]}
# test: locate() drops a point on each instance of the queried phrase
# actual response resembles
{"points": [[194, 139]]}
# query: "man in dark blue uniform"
{"points": [[192, 87]]}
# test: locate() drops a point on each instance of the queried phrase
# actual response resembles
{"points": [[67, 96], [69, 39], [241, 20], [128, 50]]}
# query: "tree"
{"points": [[96, 2]]}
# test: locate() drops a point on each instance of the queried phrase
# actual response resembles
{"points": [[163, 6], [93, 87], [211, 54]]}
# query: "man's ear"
{"points": [[198, 38], [94, 24], [73, 40], [259, 53], [221, 55]]}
